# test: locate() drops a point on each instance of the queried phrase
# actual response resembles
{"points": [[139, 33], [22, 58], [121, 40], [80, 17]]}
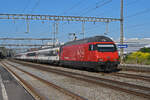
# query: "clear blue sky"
{"points": [[136, 13]]}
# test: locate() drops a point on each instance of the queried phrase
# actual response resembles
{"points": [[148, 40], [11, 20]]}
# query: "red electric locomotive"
{"points": [[97, 52]]}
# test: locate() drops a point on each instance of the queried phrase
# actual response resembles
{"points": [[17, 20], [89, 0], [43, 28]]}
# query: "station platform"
{"points": [[10, 89]]}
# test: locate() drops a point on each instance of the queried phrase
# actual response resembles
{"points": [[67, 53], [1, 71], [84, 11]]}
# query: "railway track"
{"points": [[32, 90], [135, 69], [116, 85], [27, 86], [126, 75]]}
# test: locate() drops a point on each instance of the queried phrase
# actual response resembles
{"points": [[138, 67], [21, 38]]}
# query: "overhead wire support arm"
{"points": [[56, 18], [24, 45], [26, 38]]}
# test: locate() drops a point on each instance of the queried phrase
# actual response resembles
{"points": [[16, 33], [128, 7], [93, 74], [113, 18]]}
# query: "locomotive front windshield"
{"points": [[106, 47]]}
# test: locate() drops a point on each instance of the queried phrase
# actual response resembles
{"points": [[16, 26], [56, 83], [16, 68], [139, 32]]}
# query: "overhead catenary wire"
{"points": [[115, 31], [86, 7], [73, 7], [26, 6], [35, 6], [138, 13], [23, 11], [98, 5], [92, 28], [136, 25], [131, 27], [131, 2]]}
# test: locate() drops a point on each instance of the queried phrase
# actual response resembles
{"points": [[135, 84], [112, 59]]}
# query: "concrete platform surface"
{"points": [[10, 89]]}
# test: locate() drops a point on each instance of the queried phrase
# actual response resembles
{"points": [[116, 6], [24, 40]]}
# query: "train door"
{"points": [[91, 53]]}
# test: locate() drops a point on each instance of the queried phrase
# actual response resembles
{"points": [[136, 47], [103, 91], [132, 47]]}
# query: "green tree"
{"points": [[145, 50]]}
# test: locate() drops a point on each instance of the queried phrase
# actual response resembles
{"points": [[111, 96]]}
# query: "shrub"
{"points": [[138, 58]]}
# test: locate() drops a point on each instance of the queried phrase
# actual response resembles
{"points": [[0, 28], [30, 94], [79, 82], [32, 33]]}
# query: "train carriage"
{"points": [[49, 55]]}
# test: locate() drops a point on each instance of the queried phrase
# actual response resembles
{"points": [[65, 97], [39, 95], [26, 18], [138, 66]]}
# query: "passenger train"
{"points": [[99, 53]]}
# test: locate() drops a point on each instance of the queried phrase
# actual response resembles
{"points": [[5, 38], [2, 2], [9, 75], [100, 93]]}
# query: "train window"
{"points": [[31, 54], [92, 47], [53, 53], [46, 54], [106, 47], [40, 54]]}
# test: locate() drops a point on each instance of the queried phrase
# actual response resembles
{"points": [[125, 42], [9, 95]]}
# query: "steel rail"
{"points": [[63, 90], [135, 68], [27, 86], [126, 75], [116, 85]]}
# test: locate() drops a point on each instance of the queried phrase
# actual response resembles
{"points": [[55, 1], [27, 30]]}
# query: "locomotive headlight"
{"points": [[100, 59]]}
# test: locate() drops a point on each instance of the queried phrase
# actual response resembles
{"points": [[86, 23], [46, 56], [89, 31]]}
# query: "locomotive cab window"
{"points": [[106, 47]]}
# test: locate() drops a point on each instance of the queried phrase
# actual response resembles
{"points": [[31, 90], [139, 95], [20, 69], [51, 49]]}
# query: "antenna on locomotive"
{"points": [[74, 37]]}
